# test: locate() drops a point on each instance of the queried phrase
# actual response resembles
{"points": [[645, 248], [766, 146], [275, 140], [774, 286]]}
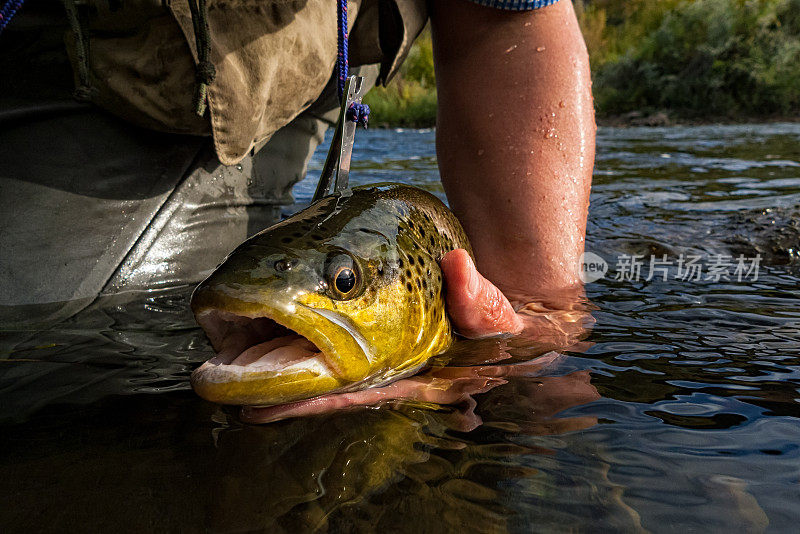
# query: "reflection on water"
{"points": [[683, 413]]}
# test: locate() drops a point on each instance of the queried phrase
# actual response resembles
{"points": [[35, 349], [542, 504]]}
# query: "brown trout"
{"points": [[344, 295]]}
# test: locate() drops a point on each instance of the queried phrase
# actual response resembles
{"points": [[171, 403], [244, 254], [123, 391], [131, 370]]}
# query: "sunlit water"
{"points": [[683, 415]]}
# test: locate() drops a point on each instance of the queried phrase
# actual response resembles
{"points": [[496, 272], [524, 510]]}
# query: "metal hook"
{"points": [[336, 171]]}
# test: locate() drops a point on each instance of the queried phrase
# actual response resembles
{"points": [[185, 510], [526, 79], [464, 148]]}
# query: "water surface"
{"points": [[683, 414]]}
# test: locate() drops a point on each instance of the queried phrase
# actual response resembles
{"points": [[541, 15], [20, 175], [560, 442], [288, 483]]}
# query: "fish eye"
{"points": [[342, 275], [345, 280]]}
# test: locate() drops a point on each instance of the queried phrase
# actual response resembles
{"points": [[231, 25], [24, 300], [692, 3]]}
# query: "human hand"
{"points": [[479, 309], [442, 385], [475, 305]]}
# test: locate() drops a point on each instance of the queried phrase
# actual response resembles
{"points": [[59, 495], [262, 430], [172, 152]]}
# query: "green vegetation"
{"points": [[410, 98], [694, 59], [728, 58]]}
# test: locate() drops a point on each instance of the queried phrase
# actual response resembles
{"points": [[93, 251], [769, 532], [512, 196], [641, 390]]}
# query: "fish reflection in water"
{"points": [[367, 468]]}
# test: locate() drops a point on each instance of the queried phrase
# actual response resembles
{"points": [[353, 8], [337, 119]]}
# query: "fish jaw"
{"points": [[332, 358]]}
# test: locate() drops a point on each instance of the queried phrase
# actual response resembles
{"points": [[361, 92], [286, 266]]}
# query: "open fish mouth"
{"points": [[258, 343], [260, 362]]}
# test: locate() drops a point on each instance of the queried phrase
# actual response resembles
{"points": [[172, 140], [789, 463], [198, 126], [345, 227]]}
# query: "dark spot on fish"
{"points": [[421, 260], [425, 284], [380, 271], [286, 240], [400, 262], [316, 237], [419, 284], [409, 287], [419, 271], [411, 260], [433, 243], [408, 273], [422, 231], [411, 224], [297, 234]]}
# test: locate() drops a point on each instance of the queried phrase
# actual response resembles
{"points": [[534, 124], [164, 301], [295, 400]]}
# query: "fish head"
{"points": [[314, 305]]}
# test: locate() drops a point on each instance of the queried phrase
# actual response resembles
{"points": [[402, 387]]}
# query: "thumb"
{"points": [[475, 305]]}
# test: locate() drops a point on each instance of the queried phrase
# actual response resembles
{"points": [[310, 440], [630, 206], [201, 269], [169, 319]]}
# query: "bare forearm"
{"points": [[515, 139]]}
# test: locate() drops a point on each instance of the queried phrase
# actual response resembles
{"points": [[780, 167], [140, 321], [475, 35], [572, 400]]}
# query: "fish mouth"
{"points": [[260, 361]]}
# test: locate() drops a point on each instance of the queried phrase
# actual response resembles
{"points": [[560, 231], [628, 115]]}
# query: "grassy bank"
{"points": [[410, 98], [685, 59]]}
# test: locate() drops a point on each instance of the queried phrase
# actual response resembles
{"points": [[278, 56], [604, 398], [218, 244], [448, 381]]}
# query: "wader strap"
{"points": [[205, 71], [83, 92]]}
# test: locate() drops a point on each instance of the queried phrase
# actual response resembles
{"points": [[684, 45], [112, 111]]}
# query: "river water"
{"points": [[683, 414]]}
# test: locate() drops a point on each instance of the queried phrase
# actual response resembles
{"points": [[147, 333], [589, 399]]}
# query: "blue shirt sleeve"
{"points": [[515, 5]]}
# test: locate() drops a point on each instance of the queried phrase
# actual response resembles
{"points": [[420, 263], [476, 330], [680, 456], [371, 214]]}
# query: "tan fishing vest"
{"points": [[273, 59]]}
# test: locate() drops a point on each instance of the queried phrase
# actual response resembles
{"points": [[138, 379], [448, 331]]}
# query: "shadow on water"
{"points": [[683, 413]]}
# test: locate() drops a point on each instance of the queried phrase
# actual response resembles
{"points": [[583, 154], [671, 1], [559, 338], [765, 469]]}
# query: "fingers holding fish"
{"points": [[427, 388], [475, 305], [444, 386], [479, 309]]}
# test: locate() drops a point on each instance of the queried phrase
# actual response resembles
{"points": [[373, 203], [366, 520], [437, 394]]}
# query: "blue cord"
{"points": [[358, 113], [341, 60], [8, 12]]}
